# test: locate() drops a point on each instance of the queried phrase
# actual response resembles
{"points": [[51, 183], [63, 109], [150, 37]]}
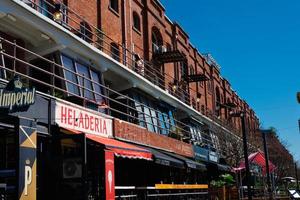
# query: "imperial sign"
{"points": [[83, 120], [15, 97]]}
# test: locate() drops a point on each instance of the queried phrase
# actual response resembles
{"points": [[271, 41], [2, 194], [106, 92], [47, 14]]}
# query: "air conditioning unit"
{"points": [[72, 168]]}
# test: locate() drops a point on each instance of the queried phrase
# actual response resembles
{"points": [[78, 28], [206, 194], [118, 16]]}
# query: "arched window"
{"points": [[157, 40], [136, 21], [114, 4], [115, 52]]}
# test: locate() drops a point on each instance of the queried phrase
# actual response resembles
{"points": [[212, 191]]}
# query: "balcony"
{"points": [[79, 27], [58, 79], [76, 25]]}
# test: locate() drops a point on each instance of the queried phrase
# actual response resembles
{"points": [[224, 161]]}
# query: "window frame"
{"points": [[114, 6], [93, 82], [136, 24]]}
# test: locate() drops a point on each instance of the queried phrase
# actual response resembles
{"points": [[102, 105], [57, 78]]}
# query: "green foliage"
{"points": [[223, 180]]}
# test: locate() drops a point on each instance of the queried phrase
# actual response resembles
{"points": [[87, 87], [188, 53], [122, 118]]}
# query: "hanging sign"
{"points": [[16, 98]]}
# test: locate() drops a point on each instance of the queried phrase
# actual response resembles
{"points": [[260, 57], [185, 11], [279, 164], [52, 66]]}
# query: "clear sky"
{"points": [[257, 44]]}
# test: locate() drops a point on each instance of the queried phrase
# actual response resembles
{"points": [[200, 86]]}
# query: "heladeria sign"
{"points": [[15, 98], [80, 119]]}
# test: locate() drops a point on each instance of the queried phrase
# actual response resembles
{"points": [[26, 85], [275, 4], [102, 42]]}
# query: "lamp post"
{"points": [[241, 115], [296, 173], [264, 132]]}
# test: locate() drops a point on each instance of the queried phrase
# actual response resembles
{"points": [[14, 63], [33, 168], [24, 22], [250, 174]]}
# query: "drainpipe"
{"points": [[124, 31]]}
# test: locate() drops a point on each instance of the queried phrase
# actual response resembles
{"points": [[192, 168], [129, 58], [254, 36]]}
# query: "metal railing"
{"points": [[52, 82], [80, 27], [149, 193]]}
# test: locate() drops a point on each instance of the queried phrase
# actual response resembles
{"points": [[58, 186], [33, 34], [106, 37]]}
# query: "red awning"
{"points": [[258, 158], [122, 149]]}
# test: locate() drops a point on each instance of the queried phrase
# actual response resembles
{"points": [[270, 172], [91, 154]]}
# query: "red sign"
{"points": [[80, 119], [109, 175]]}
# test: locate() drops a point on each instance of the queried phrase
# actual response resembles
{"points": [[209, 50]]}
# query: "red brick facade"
{"points": [[137, 134], [119, 26]]}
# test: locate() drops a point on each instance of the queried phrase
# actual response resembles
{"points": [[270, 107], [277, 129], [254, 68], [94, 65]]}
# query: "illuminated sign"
{"points": [[80, 119], [14, 97]]}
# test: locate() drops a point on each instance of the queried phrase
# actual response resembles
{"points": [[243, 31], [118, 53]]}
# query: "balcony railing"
{"points": [[80, 27], [54, 83]]}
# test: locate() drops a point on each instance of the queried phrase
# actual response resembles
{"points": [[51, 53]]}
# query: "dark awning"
{"points": [[190, 163], [164, 159], [224, 168]]}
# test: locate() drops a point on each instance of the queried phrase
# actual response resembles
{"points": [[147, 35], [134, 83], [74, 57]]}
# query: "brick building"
{"points": [[122, 94]]}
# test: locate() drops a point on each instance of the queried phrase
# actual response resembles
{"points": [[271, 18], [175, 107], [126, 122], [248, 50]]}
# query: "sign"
{"points": [[109, 175], [213, 156], [27, 184], [15, 98], [201, 154], [80, 119]]}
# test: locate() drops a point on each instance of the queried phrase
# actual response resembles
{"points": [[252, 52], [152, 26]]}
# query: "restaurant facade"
{"points": [[82, 118]]}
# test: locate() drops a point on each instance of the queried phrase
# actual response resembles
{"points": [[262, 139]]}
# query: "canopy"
{"points": [[122, 149], [257, 158], [190, 163], [164, 159]]}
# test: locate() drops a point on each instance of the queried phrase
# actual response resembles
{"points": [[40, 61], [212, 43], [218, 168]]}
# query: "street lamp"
{"points": [[241, 115], [264, 132], [296, 173]]}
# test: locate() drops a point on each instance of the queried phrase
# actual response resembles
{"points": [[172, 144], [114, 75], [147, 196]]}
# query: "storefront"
{"points": [[88, 153]]}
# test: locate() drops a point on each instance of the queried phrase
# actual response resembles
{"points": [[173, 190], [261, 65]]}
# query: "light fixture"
{"points": [[174, 87], [57, 15], [198, 97]]}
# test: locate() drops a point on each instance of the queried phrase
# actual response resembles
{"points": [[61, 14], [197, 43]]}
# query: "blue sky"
{"points": [[257, 44]]}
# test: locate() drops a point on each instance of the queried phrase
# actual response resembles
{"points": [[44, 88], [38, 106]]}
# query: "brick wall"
{"points": [[141, 135]]}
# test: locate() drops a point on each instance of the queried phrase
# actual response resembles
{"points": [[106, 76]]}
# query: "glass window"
{"points": [[96, 86], [148, 119], [154, 119], [140, 111], [70, 75], [114, 4], [172, 121], [85, 75], [136, 21], [162, 124]]}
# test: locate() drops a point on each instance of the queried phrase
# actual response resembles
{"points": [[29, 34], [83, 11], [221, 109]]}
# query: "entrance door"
{"points": [[8, 162]]}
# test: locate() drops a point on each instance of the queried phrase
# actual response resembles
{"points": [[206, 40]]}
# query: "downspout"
{"points": [[145, 30], [124, 31]]}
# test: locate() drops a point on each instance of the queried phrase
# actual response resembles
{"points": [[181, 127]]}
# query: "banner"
{"points": [[109, 175]]}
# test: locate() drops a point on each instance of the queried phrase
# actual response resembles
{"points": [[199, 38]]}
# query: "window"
{"points": [[136, 21], [183, 69], [78, 74], [70, 76], [85, 81], [157, 40], [97, 88], [115, 52], [114, 4], [154, 118], [2, 64]]}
